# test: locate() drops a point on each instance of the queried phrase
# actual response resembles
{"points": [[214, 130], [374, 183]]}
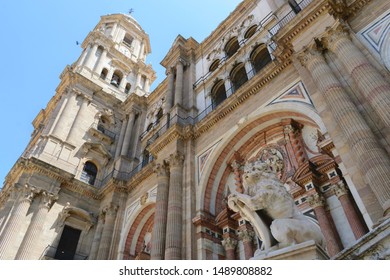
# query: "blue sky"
{"points": [[38, 39]]}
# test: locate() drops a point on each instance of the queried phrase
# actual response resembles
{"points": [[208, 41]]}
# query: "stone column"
{"points": [[28, 249], [121, 138], [129, 130], [353, 218], [173, 245], [97, 237], [372, 159], [89, 59], [10, 196], [76, 122], [169, 97], [179, 83], [332, 239], [249, 68], [123, 82], [247, 239], [8, 236], [108, 229], [368, 79], [230, 247], [228, 86], [99, 65], [160, 215]]}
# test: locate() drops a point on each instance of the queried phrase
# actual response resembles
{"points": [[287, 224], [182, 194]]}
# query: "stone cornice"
{"points": [[145, 173], [174, 132]]}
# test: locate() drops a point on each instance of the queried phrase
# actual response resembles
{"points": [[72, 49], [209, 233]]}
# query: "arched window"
{"points": [[218, 93], [250, 32], [214, 65], [232, 47], [88, 175], [127, 88], [116, 78], [260, 57], [238, 76], [103, 74]]}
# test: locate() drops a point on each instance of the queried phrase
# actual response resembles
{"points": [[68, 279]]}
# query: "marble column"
{"points": [[62, 117], [247, 239], [97, 237], [179, 83], [173, 245], [28, 249], [353, 218], [374, 87], [89, 60], [127, 138], [108, 229], [10, 197], [230, 247], [8, 236], [372, 159], [160, 215], [332, 239], [169, 96]]}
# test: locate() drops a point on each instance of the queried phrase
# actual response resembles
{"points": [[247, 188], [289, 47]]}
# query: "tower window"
{"points": [[250, 32], [159, 115], [116, 78], [89, 173], [127, 88], [294, 6], [103, 74], [128, 40]]}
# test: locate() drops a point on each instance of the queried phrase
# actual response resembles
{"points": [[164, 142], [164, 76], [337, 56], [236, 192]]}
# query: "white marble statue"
{"points": [[271, 210]]}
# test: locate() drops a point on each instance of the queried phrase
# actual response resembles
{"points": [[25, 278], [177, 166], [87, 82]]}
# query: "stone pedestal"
{"points": [[304, 251]]}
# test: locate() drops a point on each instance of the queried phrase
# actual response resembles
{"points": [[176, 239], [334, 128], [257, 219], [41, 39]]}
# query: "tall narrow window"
{"points": [[116, 78], [159, 115], [238, 76], [103, 74], [127, 88], [88, 175], [260, 57], [218, 93]]}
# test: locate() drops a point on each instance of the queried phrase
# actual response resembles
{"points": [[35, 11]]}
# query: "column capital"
{"points": [[246, 235], [161, 169], [176, 159], [110, 209], [29, 193], [309, 55], [48, 199], [340, 189], [229, 243], [334, 35], [316, 200]]}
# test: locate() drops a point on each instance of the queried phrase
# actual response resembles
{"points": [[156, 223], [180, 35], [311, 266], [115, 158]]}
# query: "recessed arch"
{"points": [[215, 171]]}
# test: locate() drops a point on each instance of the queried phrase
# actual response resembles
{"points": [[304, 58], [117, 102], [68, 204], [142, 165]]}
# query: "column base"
{"points": [[305, 251]]}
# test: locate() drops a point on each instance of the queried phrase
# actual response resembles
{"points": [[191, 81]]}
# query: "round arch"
{"points": [[216, 169]]}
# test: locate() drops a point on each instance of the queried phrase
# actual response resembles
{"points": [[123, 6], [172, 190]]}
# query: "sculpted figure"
{"points": [[271, 210]]}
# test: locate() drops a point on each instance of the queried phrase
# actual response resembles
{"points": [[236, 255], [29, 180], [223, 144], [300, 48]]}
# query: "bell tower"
{"points": [[114, 56], [101, 98]]}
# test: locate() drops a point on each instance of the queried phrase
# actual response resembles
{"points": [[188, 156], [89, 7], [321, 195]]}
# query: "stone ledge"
{"points": [[305, 251]]}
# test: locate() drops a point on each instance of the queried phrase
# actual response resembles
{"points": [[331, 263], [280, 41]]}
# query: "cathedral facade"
{"points": [[116, 171]]}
